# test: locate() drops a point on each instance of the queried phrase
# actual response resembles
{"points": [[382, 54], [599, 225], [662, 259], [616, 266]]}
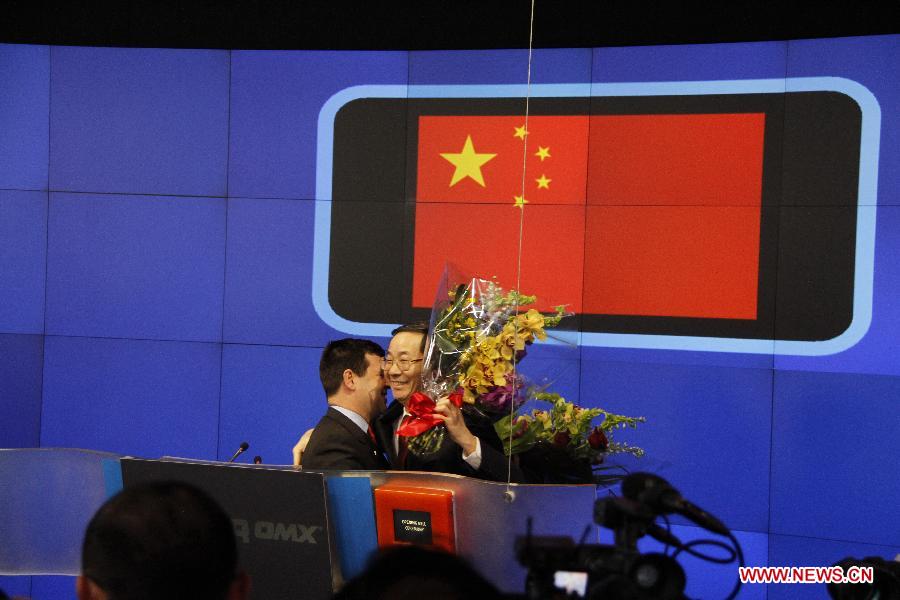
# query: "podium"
{"points": [[299, 533]]}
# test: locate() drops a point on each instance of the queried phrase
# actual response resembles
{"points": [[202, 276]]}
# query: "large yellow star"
{"points": [[543, 153], [521, 133], [543, 182], [520, 202], [468, 163]]}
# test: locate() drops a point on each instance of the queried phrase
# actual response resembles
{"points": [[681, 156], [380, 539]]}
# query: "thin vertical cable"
{"points": [[515, 391]]}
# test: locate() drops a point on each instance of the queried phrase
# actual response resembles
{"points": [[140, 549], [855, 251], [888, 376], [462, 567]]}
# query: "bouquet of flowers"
{"points": [[562, 443], [479, 335]]}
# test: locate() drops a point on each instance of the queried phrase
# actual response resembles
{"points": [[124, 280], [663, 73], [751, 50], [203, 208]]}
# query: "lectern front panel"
{"points": [[280, 521]]}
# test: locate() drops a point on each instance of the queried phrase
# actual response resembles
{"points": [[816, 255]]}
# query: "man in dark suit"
{"points": [[471, 447], [353, 381]]}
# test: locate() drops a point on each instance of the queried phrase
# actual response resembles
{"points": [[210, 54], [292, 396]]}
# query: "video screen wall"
{"points": [[182, 231]]}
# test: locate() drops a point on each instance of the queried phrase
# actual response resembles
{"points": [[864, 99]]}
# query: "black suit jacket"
{"points": [[448, 458], [338, 443]]}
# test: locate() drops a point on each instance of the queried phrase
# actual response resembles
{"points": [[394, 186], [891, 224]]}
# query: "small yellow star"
{"points": [[521, 133], [543, 182], [520, 202], [468, 163], [543, 153]]}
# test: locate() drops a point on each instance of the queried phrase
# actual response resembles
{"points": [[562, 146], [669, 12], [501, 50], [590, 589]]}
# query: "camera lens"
{"points": [[646, 576]]}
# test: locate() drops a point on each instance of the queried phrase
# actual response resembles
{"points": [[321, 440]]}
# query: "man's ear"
{"points": [[349, 379], [85, 589], [240, 587]]}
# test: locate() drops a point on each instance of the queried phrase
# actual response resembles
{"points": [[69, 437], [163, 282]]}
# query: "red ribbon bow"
{"points": [[421, 413]]}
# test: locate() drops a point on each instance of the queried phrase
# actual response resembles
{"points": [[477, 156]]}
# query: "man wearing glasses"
{"points": [[473, 447]]}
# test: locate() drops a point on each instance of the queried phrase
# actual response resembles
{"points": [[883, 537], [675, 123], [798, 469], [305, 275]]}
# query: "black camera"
{"points": [[614, 572], [885, 583]]}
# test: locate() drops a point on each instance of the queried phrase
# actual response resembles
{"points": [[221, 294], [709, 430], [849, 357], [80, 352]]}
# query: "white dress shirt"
{"points": [[355, 417]]}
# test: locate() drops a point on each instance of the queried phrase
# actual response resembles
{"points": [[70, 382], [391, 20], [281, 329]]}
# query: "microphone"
{"points": [[241, 449], [656, 493], [660, 534], [615, 513]]}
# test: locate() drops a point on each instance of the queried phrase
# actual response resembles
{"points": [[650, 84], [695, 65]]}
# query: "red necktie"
{"points": [[372, 435]]}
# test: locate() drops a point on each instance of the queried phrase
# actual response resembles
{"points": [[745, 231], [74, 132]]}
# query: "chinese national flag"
{"points": [[624, 214], [469, 182]]}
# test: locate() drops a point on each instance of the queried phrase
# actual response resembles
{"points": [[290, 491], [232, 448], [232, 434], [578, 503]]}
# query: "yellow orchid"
{"points": [[511, 341], [495, 373], [489, 348], [542, 417], [475, 377], [531, 325]]}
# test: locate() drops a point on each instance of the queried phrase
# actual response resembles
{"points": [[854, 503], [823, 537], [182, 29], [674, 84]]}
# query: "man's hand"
{"points": [[452, 417], [300, 446]]}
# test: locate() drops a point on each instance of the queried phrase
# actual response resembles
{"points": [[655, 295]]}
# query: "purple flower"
{"points": [[499, 398]]}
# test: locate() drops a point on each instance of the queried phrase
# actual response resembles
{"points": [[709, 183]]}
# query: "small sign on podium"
{"points": [[411, 515]]}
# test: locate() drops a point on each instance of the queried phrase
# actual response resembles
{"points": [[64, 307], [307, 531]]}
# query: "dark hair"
{"points": [[340, 355], [414, 327], [160, 540], [412, 572]]}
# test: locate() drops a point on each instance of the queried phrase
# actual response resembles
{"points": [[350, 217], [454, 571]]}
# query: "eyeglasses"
{"points": [[403, 364]]}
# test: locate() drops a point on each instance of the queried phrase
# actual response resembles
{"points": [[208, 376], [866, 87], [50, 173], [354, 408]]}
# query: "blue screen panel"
{"points": [[275, 102], [142, 398], [25, 80], [707, 430], [706, 62], [138, 120], [834, 441], [21, 360], [270, 396], [19, 585], [864, 60], [562, 375], [53, 587], [39, 587], [136, 266], [876, 352], [677, 357], [23, 259], [269, 262], [786, 550], [499, 66]]}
